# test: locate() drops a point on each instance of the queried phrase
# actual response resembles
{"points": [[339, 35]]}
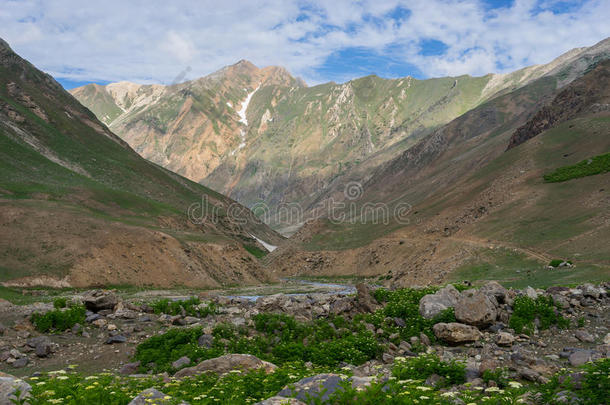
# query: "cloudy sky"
{"points": [[165, 41]]}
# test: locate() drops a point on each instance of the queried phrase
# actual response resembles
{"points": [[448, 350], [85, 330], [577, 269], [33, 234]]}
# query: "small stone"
{"points": [[584, 336], [456, 333], [111, 327], [130, 368], [116, 339], [387, 358], [21, 362], [206, 341], [504, 339]]}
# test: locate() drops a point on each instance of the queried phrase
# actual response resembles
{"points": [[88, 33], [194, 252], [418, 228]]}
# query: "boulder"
{"points": [[99, 300], [495, 290], [9, 386], [475, 308], [433, 304], [580, 357], [116, 339], [530, 292], [153, 396], [226, 363], [456, 333], [320, 387]]}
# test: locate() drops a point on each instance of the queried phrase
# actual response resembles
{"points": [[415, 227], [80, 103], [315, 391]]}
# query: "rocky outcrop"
{"points": [[321, 386], [226, 363]]}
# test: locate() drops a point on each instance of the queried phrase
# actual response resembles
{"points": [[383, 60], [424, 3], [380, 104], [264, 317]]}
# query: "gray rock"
{"points": [[116, 339], [580, 357], [9, 386], [530, 292], [433, 304], [504, 339], [495, 290], [226, 363], [98, 300], [321, 387], [152, 395], [93, 317], [21, 362], [607, 339], [181, 362], [129, 368], [476, 309], [456, 333], [205, 340], [584, 336], [43, 349], [366, 301]]}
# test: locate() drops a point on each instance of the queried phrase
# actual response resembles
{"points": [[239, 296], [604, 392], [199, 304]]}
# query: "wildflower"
{"points": [[62, 377], [515, 384], [423, 397], [90, 387], [91, 377], [493, 389], [422, 388], [449, 394]]}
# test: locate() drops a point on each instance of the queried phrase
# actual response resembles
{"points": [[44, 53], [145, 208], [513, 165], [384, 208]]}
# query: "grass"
{"points": [[588, 167], [526, 310], [191, 307], [515, 269], [58, 320], [255, 251]]}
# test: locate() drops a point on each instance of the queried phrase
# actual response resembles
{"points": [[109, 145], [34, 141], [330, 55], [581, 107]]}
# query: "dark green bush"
{"points": [[59, 320], [526, 310], [163, 349], [499, 375], [60, 302], [557, 262]]}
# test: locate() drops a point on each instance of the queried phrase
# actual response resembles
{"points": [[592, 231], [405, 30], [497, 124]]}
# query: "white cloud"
{"points": [[154, 41]]}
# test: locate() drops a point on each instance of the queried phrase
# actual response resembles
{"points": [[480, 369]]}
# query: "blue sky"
{"points": [[318, 40]]}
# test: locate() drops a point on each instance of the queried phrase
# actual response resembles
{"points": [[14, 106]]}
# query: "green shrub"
{"points": [[526, 310], [190, 307], [162, 350], [589, 167], [499, 375], [59, 320], [557, 262], [404, 304], [60, 302], [423, 366]]}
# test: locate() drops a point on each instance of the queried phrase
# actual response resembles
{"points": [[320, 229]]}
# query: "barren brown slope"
{"points": [[475, 207], [80, 207]]}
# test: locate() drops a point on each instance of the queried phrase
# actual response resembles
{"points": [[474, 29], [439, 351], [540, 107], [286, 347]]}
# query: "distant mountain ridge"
{"points": [[300, 142]]}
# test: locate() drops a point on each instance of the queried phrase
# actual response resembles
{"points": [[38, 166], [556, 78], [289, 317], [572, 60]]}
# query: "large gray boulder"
{"points": [[320, 387], [475, 308], [10, 386], [456, 333], [226, 363], [494, 290], [433, 304]]}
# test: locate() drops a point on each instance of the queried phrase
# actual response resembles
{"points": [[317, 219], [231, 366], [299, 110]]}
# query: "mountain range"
{"points": [[432, 180]]}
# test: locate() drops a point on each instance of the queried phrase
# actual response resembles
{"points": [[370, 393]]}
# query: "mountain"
{"points": [[81, 208], [294, 144], [470, 200]]}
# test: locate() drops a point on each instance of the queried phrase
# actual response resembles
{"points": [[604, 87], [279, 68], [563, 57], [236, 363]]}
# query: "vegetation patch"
{"points": [[526, 310], [588, 167], [426, 365], [59, 319], [255, 251], [191, 307]]}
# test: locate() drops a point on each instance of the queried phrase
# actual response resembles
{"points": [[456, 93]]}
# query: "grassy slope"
{"points": [[101, 181]]}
